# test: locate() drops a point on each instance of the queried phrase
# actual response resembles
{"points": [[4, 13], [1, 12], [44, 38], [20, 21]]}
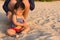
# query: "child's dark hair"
{"points": [[19, 4]]}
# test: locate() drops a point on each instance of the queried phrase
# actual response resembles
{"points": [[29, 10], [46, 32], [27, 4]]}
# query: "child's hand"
{"points": [[25, 24]]}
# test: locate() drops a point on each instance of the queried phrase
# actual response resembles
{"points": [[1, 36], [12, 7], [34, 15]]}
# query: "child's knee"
{"points": [[11, 32], [28, 28]]}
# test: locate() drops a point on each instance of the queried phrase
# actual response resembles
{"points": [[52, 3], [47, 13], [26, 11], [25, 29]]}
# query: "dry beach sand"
{"points": [[44, 22]]}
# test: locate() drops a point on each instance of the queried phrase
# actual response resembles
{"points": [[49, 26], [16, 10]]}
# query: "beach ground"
{"points": [[44, 21]]}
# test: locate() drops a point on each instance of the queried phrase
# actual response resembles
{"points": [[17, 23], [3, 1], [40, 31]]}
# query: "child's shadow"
{"points": [[3, 23]]}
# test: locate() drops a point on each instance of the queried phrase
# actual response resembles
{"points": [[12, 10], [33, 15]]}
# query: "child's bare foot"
{"points": [[17, 36]]}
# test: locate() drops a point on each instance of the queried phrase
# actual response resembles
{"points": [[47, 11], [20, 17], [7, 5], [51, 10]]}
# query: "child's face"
{"points": [[19, 11]]}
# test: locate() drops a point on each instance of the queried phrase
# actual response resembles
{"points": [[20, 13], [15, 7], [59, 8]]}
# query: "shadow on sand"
{"points": [[3, 22]]}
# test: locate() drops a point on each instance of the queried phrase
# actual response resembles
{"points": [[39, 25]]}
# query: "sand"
{"points": [[44, 21]]}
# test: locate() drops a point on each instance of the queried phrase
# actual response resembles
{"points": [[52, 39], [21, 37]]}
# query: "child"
{"points": [[18, 21]]}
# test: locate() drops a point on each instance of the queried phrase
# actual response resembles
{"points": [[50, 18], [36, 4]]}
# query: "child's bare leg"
{"points": [[11, 32], [26, 30]]}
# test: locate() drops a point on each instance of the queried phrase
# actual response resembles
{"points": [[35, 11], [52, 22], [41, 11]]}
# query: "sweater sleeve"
{"points": [[5, 6]]}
